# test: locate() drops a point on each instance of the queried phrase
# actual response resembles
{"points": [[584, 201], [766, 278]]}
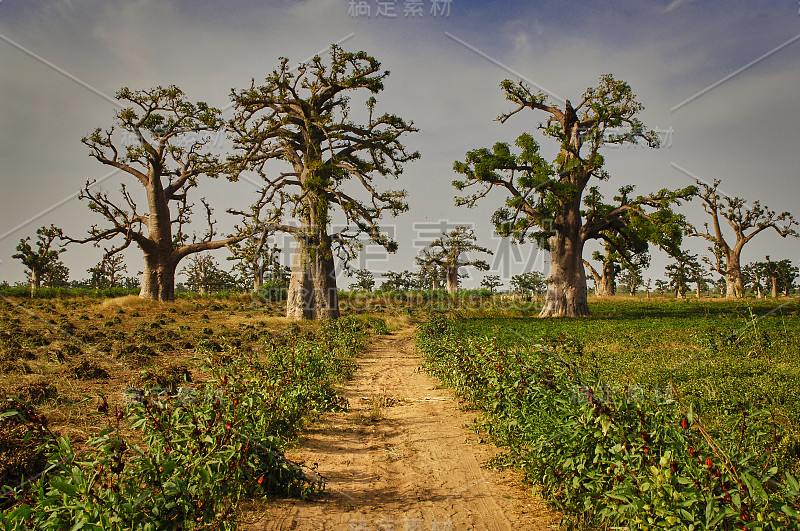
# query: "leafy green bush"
{"points": [[183, 458], [615, 457]]}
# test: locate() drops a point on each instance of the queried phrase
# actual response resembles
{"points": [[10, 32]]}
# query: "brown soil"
{"points": [[402, 459]]}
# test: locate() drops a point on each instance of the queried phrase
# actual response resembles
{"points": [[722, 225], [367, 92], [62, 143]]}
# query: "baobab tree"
{"points": [[685, 269], [491, 282], [204, 275], [632, 275], [430, 275], [528, 284], [626, 246], [255, 259], [42, 260], [167, 157], [303, 119], [449, 251], [545, 199], [605, 284], [108, 271], [746, 224], [781, 273], [365, 280]]}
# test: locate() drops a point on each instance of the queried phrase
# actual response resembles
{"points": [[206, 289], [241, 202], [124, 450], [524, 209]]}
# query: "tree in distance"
{"points": [[632, 276], [430, 276], [167, 156], [365, 281], [680, 273], [301, 118], [42, 263], [491, 282], [203, 275], [742, 219], [545, 200], [108, 272], [449, 252], [402, 281], [626, 246], [257, 261], [781, 274], [528, 284]]}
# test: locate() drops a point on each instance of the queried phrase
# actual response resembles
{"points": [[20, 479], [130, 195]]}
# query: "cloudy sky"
{"points": [[719, 81]]}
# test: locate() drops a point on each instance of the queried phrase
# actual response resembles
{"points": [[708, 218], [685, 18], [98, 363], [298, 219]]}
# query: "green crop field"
{"points": [[668, 414]]}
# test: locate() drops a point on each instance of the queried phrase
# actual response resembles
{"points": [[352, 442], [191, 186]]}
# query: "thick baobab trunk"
{"points": [[326, 296], [158, 279], [604, 285], [300, 295], [734, 283], [734, 286], [566, 282], [608, 285], [774, 287], [452, 278]]}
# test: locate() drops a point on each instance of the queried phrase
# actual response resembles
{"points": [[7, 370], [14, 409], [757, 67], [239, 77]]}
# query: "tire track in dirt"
{"points": [[401, 459]]}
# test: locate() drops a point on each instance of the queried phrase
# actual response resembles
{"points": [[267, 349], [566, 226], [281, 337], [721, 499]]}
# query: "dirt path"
{"points": [[401, 459]]}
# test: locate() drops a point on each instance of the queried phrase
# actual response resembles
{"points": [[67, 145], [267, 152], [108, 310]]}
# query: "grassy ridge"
{"points": [[588, 408]]}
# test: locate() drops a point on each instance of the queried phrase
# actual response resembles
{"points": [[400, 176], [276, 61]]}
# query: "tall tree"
{"points": [[41, 260], [167, 157], [626, 246], [302, 119], [755, 275], [661, 285], [605, 284], [449, 251], [545, 199], [746, 224], [255, 259]]}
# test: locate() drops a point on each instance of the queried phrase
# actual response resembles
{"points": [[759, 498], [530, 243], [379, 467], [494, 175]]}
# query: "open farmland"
{"points": [[663, 414], [156, 416]]}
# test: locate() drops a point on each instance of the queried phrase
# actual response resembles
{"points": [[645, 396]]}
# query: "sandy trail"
{"points": [[407, 465]]}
